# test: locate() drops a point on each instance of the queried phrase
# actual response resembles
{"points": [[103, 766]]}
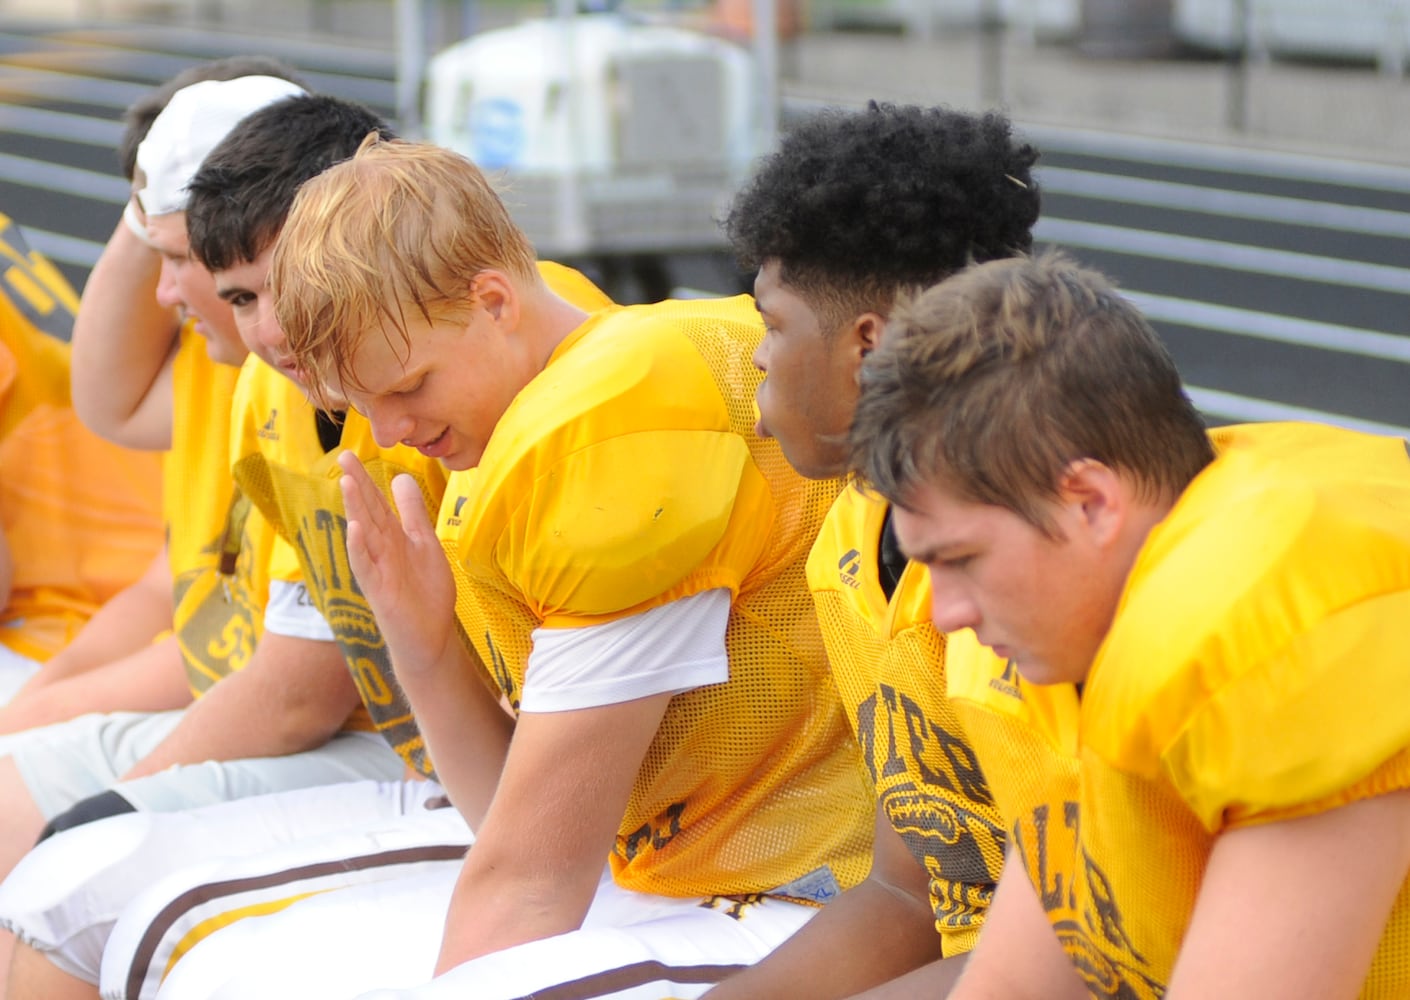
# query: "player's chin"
{"points": [[1035, 669], [462, 458], [810, 458], [223, 353]]}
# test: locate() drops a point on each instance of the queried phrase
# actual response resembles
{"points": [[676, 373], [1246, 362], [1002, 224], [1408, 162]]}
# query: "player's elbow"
{"points": [[307, 724], [123, 425], [310, 715], [131, 409]]}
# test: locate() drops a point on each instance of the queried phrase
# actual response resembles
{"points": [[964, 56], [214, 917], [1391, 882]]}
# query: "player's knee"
{"points": [[95, 807]]}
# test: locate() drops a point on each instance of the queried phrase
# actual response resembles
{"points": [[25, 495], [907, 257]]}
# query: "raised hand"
{"points": [[400, 566]]}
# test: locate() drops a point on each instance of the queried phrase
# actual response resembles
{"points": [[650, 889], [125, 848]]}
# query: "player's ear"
{"points": [[1095, 500], [864, 333], [492, 291]]}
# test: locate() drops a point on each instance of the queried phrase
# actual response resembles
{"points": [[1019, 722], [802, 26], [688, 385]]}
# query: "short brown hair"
{"points": [[399, 228], [993, 381]]}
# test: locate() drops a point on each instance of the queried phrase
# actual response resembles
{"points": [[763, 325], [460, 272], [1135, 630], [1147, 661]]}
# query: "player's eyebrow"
{"points": [[409, 377], [928, 554]]}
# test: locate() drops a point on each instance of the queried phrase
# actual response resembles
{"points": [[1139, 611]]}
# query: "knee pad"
{"points": [[95, 807]]}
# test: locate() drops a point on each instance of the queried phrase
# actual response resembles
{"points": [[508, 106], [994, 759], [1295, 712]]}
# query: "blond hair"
{"points": [[399, 229], [992, 382]]}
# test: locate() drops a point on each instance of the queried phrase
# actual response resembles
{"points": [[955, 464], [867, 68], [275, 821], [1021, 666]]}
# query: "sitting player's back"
{"points": [[81, 516]]}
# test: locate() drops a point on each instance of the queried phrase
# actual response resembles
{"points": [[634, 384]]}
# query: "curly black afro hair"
{"points": [[860, 206]]}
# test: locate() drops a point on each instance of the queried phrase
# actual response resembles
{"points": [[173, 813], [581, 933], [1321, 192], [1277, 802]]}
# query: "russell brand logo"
{"points": [[848, 567], [453, 520], [1007, 681]]}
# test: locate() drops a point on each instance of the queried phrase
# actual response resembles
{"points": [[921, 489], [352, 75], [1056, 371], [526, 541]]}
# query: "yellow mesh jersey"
{"points": [[1269, 687], [888, 663], [625, 476], [219, 550], [280, 465], [82, 516]]}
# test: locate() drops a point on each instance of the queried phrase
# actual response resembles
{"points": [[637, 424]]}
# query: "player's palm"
{"points": [[400, 566]]}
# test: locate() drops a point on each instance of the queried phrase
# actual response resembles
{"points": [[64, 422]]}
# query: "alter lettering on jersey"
{"points": [[1089, 923], [733, 906], [933, 792], [499, 669], [848, 567], [453, 520], [1007, 682], [654, 835], [218, 619], [234, 644], [371, 678], [268, 430], [321, 537], [33, 283], [914, 744]]}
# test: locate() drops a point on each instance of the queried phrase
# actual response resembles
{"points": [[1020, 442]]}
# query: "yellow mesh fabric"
{"points": [[749, 785], [1116, 859], [81, 515], [1026, 740], [280, 464], [1219, 700], [888, 664], [218, 615]]}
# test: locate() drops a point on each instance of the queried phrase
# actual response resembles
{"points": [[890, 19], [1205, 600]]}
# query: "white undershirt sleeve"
{"points": [[290, 612], [670, 649]]}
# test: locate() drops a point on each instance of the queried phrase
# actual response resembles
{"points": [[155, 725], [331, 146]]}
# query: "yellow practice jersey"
{"points": [[1255, 672], [888, 663], [82, 516], [218, 546], [573, 286], [625, 476], [281, 465]]}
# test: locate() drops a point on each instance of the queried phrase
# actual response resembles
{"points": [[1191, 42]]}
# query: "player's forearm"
{"points": [[823, 960], [122, 344], [149, 680], [540, 851], [208, 732], [293, 696], [507, 898], [1018, 956], [466, 730], [934, 979]]}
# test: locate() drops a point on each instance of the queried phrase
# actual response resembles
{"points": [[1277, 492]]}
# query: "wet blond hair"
{"points": [[400, 229], [992, 382]]}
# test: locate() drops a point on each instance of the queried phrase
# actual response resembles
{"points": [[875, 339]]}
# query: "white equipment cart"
{"points": [[610, 137]]}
